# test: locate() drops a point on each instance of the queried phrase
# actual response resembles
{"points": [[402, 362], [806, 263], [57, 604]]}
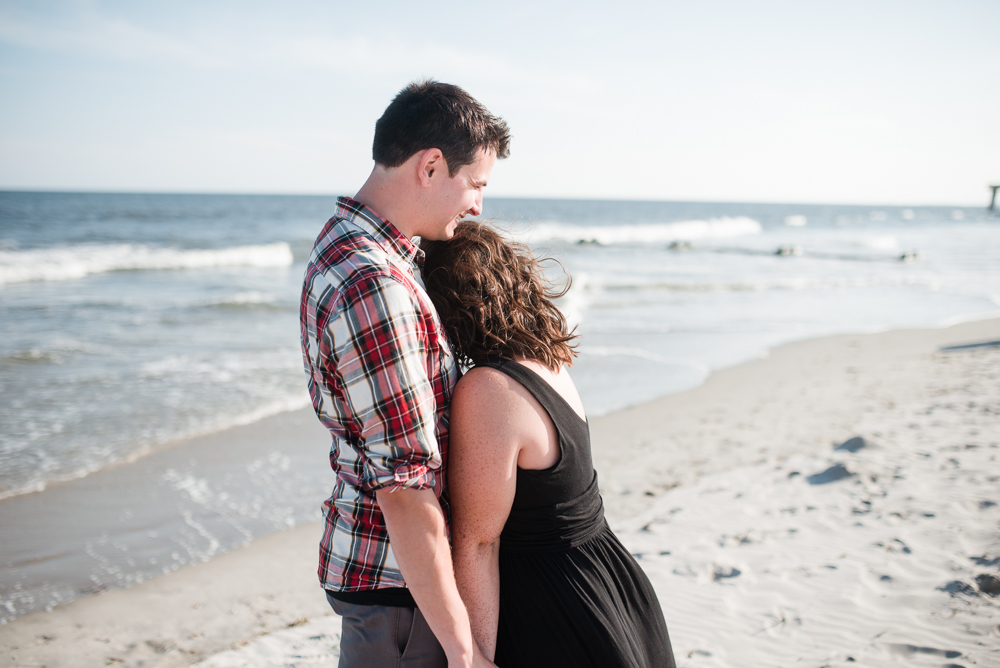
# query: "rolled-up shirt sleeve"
{"points": [[381, 341]]}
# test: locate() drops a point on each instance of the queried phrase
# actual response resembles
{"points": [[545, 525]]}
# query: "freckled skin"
{"points": [[496, 426]]}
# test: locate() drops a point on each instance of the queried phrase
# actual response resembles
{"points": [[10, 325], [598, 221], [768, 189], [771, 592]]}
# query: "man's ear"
{"points": [[431, 163]]}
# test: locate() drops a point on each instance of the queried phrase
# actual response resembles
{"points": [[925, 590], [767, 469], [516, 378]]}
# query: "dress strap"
{"points": [[571, 475], [565, 418]]}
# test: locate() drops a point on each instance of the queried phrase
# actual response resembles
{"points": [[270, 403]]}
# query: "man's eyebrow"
{"points": [[478, 182]]}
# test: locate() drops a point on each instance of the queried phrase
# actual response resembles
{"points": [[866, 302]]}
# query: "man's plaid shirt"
{"points": [[381, 376]]}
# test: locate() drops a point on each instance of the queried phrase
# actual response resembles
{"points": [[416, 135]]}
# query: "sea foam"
{"points": [[63, 263], [610, 283], [683, 230]]}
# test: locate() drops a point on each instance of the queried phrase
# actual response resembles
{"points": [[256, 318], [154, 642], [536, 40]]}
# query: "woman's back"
{"points": [[570, 594], [554, 465], [544, 580]]}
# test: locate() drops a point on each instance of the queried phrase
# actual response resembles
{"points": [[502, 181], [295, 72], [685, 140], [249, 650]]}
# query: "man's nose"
{"points": [[477, 207]]}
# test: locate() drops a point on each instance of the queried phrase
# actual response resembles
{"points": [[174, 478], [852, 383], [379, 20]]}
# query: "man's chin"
{"points": [[445, 234]]}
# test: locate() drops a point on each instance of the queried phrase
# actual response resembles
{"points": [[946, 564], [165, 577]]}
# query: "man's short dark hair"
{"points": [[430, 114]]}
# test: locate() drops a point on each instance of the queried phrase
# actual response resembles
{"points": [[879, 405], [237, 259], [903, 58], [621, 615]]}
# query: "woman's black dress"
{"points": [[570, 593]]}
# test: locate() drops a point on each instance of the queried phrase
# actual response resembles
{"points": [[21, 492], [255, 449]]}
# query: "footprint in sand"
{"points": [[724, 573], [985, 561], [895, 545], [852, 444], [958, 587], [832, 474], [902, 650]]}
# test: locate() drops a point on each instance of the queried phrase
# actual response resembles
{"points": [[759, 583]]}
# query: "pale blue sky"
{"points": [[840, 102]]}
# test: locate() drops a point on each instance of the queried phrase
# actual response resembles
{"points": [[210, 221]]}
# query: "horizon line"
{"points": [[72, 191]]}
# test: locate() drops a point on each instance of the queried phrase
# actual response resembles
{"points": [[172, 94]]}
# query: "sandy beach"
{"points": [[835, 503]]}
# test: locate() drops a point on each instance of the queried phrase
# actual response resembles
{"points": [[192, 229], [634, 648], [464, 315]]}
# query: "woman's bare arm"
{"points": [[416, 528], [482, 475]]}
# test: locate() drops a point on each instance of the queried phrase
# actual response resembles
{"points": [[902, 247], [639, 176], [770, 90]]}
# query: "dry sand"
{"points": [[766, 545]]}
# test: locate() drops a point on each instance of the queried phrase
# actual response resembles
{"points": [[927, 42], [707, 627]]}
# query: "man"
{"points": [[381, 376]]}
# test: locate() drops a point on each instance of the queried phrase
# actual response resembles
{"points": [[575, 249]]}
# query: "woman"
{"points": [[545, 581]]}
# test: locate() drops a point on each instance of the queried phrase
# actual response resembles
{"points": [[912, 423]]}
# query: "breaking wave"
{"points": [[64, 263], [764, 285], [684, 230]]}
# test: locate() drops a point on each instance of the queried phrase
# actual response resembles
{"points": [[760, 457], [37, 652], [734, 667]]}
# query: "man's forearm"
{"points": [[419, 540]]}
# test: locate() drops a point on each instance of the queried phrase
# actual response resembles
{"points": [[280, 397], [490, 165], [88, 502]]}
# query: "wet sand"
{"points": [[767, 545]]}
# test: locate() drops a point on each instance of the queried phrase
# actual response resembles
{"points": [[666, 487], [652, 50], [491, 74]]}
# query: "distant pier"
{"points": [[993, 200]]}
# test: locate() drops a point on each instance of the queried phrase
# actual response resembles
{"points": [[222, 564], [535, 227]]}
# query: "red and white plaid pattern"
{"points": [[381, 375]]}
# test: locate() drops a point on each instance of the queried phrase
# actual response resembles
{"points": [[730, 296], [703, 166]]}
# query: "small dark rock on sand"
{"points": [[988, 584], [852, 444], [832, 474]]}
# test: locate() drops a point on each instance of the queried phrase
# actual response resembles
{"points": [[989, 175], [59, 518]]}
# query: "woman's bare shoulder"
{"points": [[481, 383], [485, 428], [481, 375], [488, 399]]}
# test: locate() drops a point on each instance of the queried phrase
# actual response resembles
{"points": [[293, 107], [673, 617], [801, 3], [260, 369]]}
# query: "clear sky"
{"points": [[802, 101]]}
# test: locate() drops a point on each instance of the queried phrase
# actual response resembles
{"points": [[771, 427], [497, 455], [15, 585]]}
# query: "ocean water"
{"points": [[128, 322], [664, 293]]}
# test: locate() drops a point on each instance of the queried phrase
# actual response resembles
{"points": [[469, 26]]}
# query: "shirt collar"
{"points": [[381, 230]]}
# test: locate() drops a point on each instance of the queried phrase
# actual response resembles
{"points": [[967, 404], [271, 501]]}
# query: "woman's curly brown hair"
{"points": [[493, 299]]}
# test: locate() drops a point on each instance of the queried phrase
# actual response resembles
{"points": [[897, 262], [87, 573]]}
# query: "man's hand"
{"points": [[419, 539]]}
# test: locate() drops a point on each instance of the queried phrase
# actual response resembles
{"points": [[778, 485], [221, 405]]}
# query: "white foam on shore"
{"points": [[929, 281], [43, 480], [614, 351], [684, 230], [972, 317], [283, 405], [64, 263], [881, 242], [573, 304], [244, 299]]}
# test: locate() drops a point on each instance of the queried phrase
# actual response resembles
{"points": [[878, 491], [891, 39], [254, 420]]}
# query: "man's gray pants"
{"points": [[380, 636]]}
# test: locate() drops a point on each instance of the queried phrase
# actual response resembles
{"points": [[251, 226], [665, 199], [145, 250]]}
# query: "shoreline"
{"points": [[797, 402], [146, 451], [729, 391], [268, 414], [183, 504]]}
